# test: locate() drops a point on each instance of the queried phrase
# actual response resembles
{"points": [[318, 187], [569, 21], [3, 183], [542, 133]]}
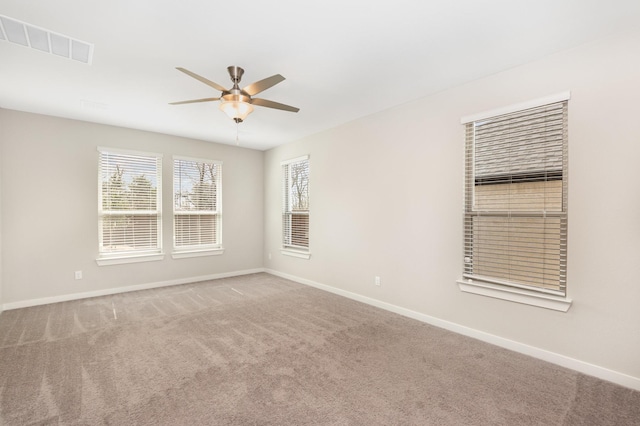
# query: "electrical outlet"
{"points": [[376, 280], [78, 275]]}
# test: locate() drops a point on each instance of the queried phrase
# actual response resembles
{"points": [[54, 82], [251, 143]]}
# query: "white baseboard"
{"points": [[552, 357], [116, 290]]}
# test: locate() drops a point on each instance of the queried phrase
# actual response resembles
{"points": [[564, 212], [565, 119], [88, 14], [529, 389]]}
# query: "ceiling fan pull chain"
{"points": [[237, 140]]}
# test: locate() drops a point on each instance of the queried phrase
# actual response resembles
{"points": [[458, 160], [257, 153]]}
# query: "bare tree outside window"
{"points": [[299, 187]]}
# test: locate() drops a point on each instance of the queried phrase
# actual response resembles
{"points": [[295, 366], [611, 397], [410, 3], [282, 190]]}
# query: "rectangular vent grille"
{"points": [[27, 35]]}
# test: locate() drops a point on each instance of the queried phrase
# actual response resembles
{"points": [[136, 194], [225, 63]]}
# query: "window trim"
{"points": [[197, 250], [137, 258], [122, 257], [534, 297], [515, 294], [184, 254], [295, 251], [534, 103]]}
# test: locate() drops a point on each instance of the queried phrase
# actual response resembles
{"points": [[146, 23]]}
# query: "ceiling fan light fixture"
{"points": [[236, 105], [236, 110]]}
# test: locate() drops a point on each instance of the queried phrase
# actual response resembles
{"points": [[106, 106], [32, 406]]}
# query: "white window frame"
{"points": [[113, 257], [508, 291], [205, 249], [289, 249]]}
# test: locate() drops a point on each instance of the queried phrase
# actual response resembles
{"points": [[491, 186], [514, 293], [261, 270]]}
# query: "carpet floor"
{"points": [[262, 350]]}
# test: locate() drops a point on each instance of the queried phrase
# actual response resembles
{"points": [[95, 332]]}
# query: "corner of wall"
{"points": [[2, 137]]}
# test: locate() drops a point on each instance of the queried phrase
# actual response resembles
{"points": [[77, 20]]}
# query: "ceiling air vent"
{"points": [[27, 35]]}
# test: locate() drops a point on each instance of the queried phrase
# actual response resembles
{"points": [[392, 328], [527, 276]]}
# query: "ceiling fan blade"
{"points": [[271, 104], [259, 86], [193, 101], [202, 79]]}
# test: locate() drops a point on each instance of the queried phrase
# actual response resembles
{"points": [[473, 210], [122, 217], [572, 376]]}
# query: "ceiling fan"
{"points": [[235, 102]]}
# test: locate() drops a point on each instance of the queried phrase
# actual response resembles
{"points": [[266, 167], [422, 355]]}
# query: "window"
{"points": [[295, 207], [129, 211], [197, 206], [515, 218]]}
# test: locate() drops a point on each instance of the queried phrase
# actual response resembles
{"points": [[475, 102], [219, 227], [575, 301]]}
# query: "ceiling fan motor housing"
{"points": [[235, 73], [235, 94], [238, 101]]}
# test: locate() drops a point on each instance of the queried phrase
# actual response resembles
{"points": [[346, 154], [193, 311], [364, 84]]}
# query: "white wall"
{"points": [[49, 208], [386, 200]]}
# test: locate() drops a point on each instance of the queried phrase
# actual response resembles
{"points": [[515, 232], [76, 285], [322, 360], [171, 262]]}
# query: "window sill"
{"points": [[106, 261], [296, 253], [197, 253], [517, 295]]}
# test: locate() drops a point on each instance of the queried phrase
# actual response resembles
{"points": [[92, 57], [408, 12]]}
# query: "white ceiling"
{"points": [[342, 59]]}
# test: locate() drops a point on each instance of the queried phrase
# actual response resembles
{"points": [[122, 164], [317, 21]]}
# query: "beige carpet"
{"points": [[261, 350]]}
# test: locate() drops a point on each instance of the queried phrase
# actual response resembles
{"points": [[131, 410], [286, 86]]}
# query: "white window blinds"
{"points": [[295, 204], [129, 186], [515, 225], [197, 204]]}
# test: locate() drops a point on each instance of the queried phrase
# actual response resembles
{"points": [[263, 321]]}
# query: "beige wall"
{"points": [[1, 223], [49, 207], [386, 200]]}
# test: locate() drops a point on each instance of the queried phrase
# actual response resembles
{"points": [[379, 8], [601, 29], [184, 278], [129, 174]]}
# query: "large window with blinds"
{"points": [[295, 205], [197, 204], [129, 197], [515, 218]]}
